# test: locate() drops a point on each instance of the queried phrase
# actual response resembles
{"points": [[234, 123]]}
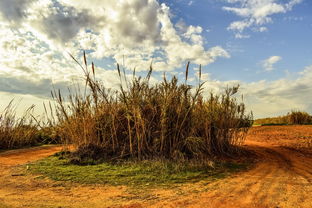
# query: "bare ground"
{"points": [[281, 177]]}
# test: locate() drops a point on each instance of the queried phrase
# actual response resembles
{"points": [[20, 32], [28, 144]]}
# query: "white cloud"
{"points": [[61, 24], [36, 36], [271, 98], [269, 62], [256, 13], [241, 36], [268, 98], [34, 46], [133, 32], [262, 29]]}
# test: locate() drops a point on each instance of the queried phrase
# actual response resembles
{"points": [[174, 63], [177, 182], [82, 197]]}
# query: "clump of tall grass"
{"points": [[24, 130], [170, 120], [17, 132]]}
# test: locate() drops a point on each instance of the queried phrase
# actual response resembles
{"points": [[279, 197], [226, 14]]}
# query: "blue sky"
{"points": [[264, 46], [288, 36]]}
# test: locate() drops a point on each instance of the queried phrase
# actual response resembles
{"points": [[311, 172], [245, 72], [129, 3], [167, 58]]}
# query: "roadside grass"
{"points": [[295, 117], [25, 130], [150, 173]]}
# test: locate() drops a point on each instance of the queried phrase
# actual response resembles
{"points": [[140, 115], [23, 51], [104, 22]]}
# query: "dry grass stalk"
{"points": [[166, 120]]}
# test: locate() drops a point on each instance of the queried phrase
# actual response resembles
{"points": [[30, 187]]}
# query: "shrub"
{"points": [[299, 117], [294, 117], [169, 120], [280, 120]]}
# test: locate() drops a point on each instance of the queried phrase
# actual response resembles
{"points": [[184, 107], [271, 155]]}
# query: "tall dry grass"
{"points": [[169, 119], [25, 130], [299, 117], [17, 131]]}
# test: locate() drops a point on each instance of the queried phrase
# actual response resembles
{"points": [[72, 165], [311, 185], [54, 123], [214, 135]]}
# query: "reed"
{"points": [[17, 132], [170, 120]]}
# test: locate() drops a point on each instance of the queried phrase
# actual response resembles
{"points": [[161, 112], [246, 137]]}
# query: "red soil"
{"points": [[282, 177]]}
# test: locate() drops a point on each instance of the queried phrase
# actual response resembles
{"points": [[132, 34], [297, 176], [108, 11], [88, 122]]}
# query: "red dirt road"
{"points": [[282, 177], [22, 156]]}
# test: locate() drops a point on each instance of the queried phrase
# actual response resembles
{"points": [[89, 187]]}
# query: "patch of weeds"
{"points": [[2, 205], [133, 173]]}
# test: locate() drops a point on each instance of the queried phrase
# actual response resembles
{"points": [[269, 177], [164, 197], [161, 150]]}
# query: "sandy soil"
{"points": [[281, 178]]}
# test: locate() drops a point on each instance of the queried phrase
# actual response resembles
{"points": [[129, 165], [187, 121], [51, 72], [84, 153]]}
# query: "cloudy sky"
{"points": [[263, 45]]}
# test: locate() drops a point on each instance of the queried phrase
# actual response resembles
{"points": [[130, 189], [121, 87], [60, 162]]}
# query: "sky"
{"points": [[265, 46]]}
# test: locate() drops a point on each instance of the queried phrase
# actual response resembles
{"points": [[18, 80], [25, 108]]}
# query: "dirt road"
{"points": [[282, 177]]}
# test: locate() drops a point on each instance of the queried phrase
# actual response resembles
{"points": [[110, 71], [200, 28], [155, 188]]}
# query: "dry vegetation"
{"points": [[23, 131], [168, 120], [152, 135], [292, 118], [17, 132]]}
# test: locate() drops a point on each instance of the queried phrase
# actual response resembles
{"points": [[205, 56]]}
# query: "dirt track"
{"points": [[282, 177]]}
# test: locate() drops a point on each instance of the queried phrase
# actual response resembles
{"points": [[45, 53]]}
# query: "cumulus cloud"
{"points": [[62, 23], [39, 88], [277, 97], [36, 36], [256, 13], [131, 32], [269, 62]]}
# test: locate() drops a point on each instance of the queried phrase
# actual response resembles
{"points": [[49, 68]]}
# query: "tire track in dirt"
{"points": [[270, 191], [281, 179], [236, 186]]}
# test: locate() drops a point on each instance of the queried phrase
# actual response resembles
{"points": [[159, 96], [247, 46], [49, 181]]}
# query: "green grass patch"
{"points": [[275, 124], [130, 173], [282, 124]]}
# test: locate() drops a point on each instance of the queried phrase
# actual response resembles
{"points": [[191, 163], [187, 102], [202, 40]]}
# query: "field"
{"points": [[152, 103], [280, 176]]}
